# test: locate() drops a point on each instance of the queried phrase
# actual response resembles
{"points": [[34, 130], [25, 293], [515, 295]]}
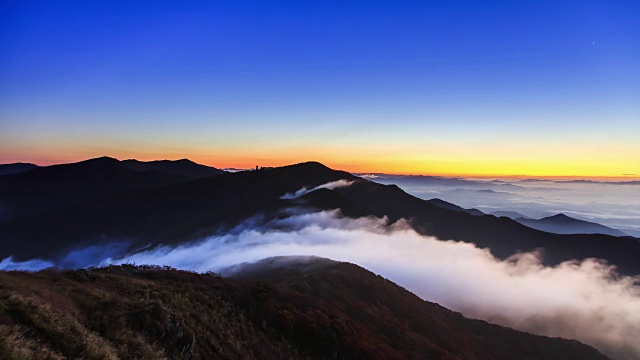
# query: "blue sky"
{"points": [[416, 85]]}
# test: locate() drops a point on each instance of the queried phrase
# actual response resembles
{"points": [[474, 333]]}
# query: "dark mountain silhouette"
{"points": [[447, 205], [502, 235], [280, 308], [58, 186], [185, 211], [161, 214], [374, 308], [563, 224], [631, 232], [178, 167], [16, 168], [510, 214]]}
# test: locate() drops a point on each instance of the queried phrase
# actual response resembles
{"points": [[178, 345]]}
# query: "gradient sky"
{"points": [[449, 87]]}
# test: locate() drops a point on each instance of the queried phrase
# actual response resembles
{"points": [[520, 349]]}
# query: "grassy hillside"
{"points": [[317, 310]]}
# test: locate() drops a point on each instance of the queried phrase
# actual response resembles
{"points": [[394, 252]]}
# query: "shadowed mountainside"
{"points": [[57, 186], [280, 308], [168, 214]]}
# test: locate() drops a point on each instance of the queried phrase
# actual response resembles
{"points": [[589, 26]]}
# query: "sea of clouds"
{"points": [[583, 300], [614, 204]]}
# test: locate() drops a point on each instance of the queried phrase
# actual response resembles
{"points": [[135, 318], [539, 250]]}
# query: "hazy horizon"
{"points": [[367, 174]]}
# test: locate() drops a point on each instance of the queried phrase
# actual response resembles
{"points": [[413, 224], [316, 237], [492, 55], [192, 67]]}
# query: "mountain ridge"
{"points": [[16, 168], [186, 211], [563, 224], [54, 187], [181, 167], [168, 213], [447, 205], [335, 310]]}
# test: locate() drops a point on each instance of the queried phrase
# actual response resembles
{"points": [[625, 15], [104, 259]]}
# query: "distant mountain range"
{"points": [[51, 210], [557, 224], [447, 205], [563, 224], [278, 308], [510, 214]]}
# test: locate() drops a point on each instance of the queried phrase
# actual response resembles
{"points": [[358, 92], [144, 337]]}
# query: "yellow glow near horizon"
{"points": [[490, 160]]}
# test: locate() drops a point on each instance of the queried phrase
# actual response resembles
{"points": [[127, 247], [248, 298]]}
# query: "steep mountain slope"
{"points": [[16, 168], [563, 224], [373, 308], [306, 308]]}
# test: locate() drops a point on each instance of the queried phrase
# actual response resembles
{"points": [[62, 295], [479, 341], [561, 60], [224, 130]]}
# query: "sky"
{"points": [[491, 88]]}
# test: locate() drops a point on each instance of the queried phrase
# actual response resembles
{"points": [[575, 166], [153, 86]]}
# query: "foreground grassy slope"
{"points": [[129, 312], [318, 309]]}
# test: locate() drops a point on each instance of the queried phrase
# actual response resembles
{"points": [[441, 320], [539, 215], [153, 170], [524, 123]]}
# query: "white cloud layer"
{"points": [[330, 185], [580, 300], [615, 205], [7, 264]]}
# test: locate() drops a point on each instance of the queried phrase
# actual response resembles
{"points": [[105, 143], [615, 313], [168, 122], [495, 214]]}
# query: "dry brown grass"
{"points": [[338, 311]]}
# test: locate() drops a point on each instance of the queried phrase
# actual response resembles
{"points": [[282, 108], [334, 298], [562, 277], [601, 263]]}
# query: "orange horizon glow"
{"points": [[551, 170]]}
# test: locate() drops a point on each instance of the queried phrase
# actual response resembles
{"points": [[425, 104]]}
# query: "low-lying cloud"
{"points": [[330, 185], [8, 264], [580, 300]]}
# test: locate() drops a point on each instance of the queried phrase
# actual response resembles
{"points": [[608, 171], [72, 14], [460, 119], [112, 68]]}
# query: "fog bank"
{"points": [[580, 300]]}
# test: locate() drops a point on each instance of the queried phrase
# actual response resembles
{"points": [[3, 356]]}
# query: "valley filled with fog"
{"points": [[614, 204]]}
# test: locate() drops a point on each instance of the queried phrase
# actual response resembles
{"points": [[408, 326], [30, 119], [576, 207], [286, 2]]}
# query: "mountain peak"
{"points": [[310, 165], [308, 168], [559, 216], [564, 224], [100, 160]]}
